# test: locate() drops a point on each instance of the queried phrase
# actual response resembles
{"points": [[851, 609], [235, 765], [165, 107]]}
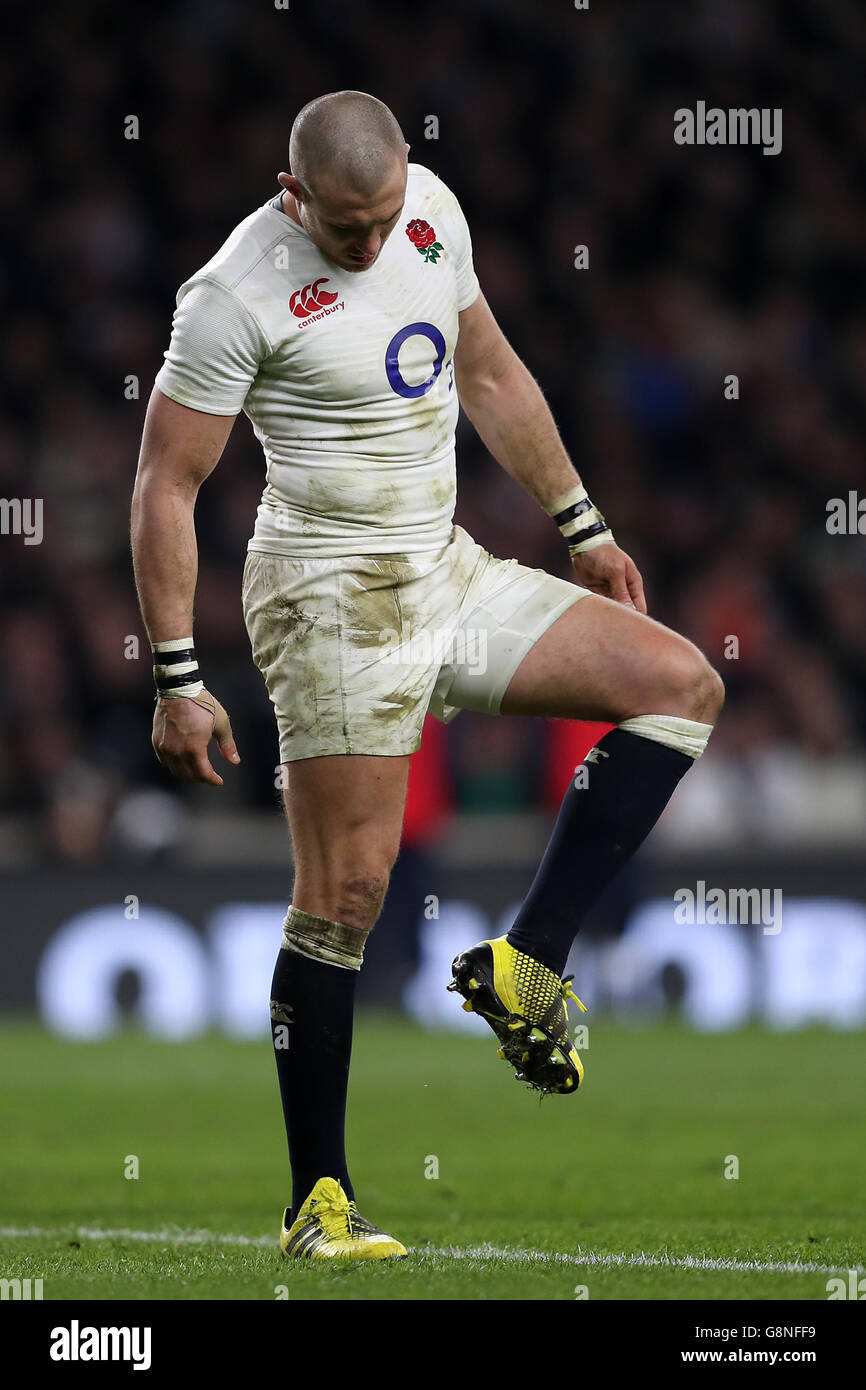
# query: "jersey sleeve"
{"points": [[468, 288], [215, 351]]}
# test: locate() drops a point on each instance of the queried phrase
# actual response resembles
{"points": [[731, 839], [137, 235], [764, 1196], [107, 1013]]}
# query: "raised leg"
{"points": [[601, 660]]}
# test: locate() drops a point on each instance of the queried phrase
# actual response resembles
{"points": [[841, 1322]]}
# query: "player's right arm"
{"points": [[180, 448]]}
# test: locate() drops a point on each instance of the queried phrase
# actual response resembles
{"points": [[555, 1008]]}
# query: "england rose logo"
{"points": [[423, 238]]}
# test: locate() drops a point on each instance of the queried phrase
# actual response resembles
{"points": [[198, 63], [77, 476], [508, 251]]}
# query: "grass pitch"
{"points": [[619, 1191]]}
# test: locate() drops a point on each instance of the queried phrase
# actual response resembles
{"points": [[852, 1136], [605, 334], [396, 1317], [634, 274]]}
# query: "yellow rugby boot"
{"points": [[328, 1227], [526, 1006]]}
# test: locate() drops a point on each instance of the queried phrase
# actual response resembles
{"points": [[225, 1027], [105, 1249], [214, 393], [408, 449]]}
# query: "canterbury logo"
{"points": [[306, 301]]}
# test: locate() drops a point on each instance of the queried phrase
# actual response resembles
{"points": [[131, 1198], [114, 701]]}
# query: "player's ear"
{"points": [[291, 185]]}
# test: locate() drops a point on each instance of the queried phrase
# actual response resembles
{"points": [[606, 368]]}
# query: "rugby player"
{"points": [[344, 317]]}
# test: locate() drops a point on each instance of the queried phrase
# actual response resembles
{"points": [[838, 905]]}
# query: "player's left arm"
{"points": [[508, 410]]}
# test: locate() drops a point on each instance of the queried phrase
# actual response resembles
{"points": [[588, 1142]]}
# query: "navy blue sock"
{"points": [[629, 781], [312, 1006]]}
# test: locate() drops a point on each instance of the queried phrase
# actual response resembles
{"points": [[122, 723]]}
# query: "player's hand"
{"points": [[182, 730], [609, 571]]}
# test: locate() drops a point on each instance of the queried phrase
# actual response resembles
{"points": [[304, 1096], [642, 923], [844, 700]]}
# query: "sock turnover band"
{"points": [[320, 939], [684, 735]]}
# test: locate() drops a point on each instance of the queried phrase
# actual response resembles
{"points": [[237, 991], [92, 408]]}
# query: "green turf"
{"points": [[633, 1164]]}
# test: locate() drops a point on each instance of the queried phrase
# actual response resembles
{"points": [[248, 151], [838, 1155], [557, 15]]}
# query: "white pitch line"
{"points": [[512, 1254], [165, 1235], [641, 1260]]}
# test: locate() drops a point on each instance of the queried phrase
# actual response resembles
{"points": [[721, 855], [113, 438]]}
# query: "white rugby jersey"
{"points": [[347, 377]]}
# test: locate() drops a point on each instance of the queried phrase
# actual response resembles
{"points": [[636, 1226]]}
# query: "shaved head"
{"points": [[347, 140], [348, 181]]}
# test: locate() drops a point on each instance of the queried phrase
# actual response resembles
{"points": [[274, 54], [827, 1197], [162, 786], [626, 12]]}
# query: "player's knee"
{"points": [[713, 689], [345, 880], [360, 894], [699, 686], [689, 687]]}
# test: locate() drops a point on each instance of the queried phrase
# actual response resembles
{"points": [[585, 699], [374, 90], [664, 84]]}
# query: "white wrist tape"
{"points": [[582, 524], [175, 669]]}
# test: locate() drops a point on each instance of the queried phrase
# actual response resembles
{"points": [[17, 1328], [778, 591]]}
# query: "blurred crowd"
{"points": [[555, 129]]}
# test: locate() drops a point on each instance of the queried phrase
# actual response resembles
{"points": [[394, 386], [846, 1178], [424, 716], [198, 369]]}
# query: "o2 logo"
{"points": [[392, 365]]}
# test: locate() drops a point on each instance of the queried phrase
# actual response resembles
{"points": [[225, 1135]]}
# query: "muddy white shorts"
{"points": [[355, 651]]}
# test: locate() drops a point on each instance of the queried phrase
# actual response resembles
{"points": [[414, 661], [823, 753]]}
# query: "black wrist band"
{"points": [[175, 668]]}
